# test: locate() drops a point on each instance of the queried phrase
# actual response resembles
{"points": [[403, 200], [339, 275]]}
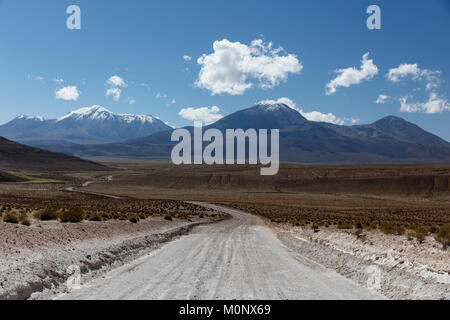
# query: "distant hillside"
{"points": [[6, 177], [16, 156], [388, 140], [388, 180], [83, 126]]}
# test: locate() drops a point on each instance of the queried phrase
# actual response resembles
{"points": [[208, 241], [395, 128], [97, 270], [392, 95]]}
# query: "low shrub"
{"points": [[10, 217], [410, 235], [72, 215], [443, 236], [24, 220], [345, 225], [95, 217], [391, 228], [434, 229], [46, 214], [358, 225], [315, 227], [420, 233], [133, 218]]}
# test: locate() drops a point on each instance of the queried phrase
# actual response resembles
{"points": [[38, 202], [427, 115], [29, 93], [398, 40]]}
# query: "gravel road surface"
{"points": [[239, 258]]}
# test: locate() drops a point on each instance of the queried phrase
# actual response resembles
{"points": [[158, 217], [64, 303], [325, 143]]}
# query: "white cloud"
{"points": [[432, 77], [144, 84], [353, 120], [434, 104], [382, 98], [351, 76], [114, 92], [404, 70], [187, 58], [313, 115], [322, 117], [171, 102], [168, 123], [205, 114], [39, 78], [116, 81], [68, 93], [59, 81], [160, 95], [291, 104], [234, 67], [131, 101]]}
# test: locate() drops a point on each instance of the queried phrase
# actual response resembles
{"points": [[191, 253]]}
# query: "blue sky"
{"points": [[144, 42]]}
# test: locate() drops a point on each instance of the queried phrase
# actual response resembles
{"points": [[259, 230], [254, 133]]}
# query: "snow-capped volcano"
{"points": [[262, 115], [92, 113], [24, 117], [87, 125], [100, 113]]}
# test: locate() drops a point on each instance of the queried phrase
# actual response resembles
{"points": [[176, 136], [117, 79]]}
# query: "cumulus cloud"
{"points": [[382, 98], [187, 58], [432, 77], [204, 114], [160, 95], [114, 92], [171, 102], [131, 101], [351, 76], [312, 115], [322, 117], [39, 78], [68, 93], [116, 81], [402, 71], [234, 67], [434, 104], [291, 104], [405, 70], [59, 80]]}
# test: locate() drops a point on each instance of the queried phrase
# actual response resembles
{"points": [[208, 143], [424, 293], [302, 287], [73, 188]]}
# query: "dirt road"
{"points": [[239, 258]]}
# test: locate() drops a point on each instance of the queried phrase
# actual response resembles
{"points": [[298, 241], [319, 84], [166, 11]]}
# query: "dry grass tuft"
{"points": [[72, 215], [24, 220], [46, 214], [443, 236], [10, 217]]}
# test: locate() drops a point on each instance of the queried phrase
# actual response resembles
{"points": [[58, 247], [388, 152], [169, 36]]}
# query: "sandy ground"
{"points": [[37, 259], [392, 265], [238, 258]]}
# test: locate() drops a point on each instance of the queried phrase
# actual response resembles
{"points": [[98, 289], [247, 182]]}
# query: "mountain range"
{"points": [[91, 125], [388, 140]]}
